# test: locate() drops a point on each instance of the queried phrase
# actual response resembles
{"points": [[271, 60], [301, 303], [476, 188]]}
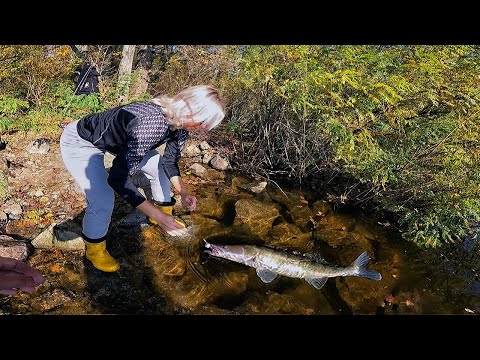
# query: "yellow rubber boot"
{"points": [[97, 253], [167, 209]]}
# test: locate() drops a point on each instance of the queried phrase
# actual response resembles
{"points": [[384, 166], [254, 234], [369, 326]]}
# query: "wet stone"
{"points": [[288, 235], [321, 208], [255, 217]]}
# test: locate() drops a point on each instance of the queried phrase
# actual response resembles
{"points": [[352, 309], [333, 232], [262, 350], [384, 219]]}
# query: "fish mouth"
{"points": [[213, 250]]}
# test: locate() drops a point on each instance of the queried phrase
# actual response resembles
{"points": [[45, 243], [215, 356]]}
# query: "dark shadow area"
{"points": [[229, 212]]}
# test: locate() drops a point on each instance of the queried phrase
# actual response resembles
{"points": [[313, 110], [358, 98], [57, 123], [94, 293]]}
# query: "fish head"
{"points": [[231, 252]]}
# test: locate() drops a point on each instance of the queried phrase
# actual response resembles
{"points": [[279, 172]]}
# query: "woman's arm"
{"points": [[189, 201], [165, 221]]}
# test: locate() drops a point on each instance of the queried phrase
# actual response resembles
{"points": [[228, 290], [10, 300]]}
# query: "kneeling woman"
{"points": [[132, 132]]}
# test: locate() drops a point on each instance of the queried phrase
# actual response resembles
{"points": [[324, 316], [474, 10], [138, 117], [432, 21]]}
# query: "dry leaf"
{"points": [[470, 310], [32, 215], [57, 253], [409, 303], [55, 268]]}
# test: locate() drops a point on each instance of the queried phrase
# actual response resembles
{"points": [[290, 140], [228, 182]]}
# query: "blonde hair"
{"points": [[199, 104]]}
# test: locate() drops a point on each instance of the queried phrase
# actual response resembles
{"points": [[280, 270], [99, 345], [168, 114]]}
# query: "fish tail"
{"points": [[360, 268]]}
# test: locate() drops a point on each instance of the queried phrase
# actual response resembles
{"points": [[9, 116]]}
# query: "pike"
{"points": [[270, 262]]}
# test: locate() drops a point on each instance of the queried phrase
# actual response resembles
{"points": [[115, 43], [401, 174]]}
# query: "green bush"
{"points": [[402, 120], [10, 107]]}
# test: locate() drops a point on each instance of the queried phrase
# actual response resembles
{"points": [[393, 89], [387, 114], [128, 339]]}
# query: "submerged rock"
{"points": [[255, 217], [289, 235]]}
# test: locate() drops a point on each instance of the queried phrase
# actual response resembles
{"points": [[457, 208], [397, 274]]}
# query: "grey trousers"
{"points": [[85, 163]]}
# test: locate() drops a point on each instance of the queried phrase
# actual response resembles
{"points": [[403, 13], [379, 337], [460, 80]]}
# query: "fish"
{"points": [[270, 262]]}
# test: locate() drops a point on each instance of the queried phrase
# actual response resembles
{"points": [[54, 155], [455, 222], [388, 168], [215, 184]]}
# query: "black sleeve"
{"points": [[119, 181], [172, 153]]}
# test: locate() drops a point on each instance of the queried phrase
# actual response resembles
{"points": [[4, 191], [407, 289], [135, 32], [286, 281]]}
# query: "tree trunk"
{"points": [[143, 66], [124, 71]]}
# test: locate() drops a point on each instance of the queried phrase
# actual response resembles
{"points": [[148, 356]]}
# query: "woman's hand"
{"points": [[168, 223], [165, 221], [16, 275], [189, 201]]}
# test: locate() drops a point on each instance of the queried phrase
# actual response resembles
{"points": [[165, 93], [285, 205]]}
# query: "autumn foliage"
{"points": [[399, 122]]}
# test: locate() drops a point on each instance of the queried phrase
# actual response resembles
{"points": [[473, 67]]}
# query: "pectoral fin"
{"points": [[318, 282], [266, 276]]}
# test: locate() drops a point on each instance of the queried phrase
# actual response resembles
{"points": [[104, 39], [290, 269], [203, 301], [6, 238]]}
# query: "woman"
{"points": [[132, 132]]}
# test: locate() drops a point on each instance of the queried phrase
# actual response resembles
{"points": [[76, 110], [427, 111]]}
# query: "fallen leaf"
{"points": [[470, 310], [55, 268], [57, 253], [409, 303], [32, 215]]}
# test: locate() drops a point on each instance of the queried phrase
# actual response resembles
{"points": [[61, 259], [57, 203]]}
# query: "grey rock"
{"points": [[220, 163], [39, 146], [3, 216], [256, 187], [192, 150], [204, 146], [44, 240], [67, 240], [198, 170], [12, 248], [59, 236], [260, 187], [206, 158], [13, 211]]}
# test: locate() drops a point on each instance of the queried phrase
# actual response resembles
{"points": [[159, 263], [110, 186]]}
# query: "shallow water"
{"points": [[169, 275]]}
